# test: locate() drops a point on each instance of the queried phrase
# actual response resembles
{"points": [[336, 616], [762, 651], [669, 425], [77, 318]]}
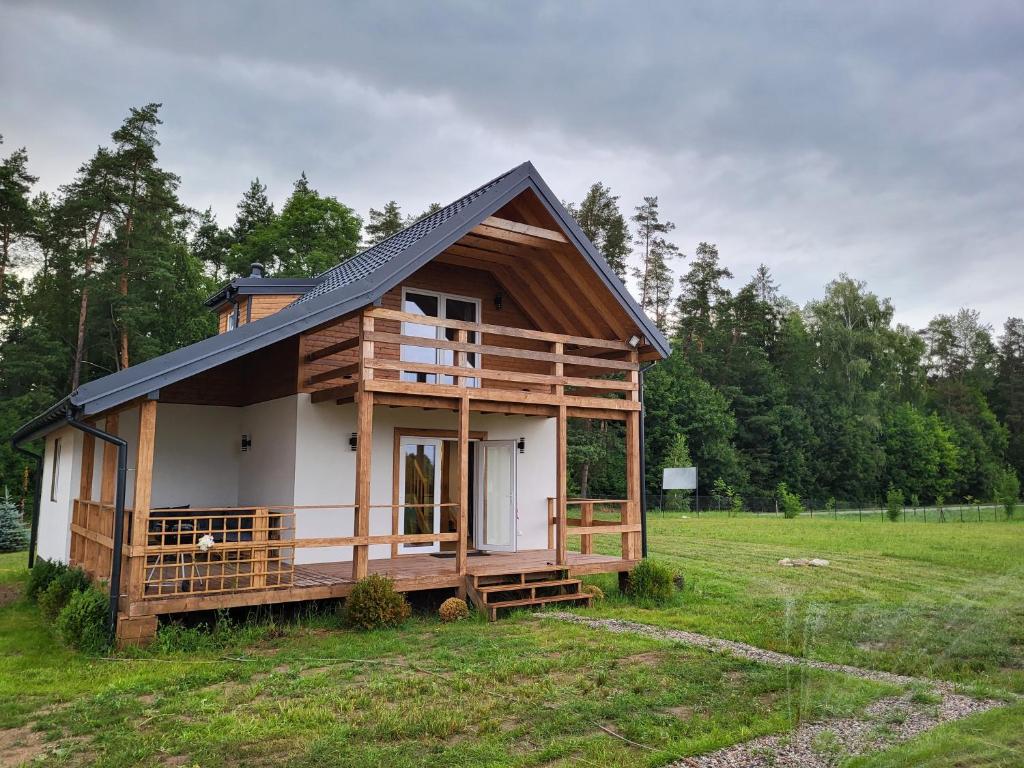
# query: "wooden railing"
{"points": [[212, 550], [485, 362], [92, 536], [596, 517]]}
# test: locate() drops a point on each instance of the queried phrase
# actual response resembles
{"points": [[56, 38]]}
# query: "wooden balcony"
{"points": [[497, 368]]}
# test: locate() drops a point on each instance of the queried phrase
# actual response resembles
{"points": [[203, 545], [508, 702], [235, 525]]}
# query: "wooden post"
{"points": [[551, 522], [460, 357], [634, 486], [143, 493], [586, 520], [364, 452], [260, 531], [463, 519], [560, 461]]}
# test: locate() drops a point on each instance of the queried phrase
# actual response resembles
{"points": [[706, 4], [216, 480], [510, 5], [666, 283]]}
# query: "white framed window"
{"points": [[233, 318], [55, 469], [442, 305]]}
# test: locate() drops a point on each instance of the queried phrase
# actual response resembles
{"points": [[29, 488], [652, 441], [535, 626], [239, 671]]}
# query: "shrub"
{"points": [[453, 609], [650, 583], [595, 592], [43, 572], [374, 603], [13, 533], [894, 503], [789, 502], [60, 590], [1007, 491], [82, 623]]}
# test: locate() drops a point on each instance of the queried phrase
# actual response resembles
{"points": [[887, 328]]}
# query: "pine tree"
{"points": [[654, 275], [17, 223], [1008, 400], [211, 244], [702, 300], [384, 223], [146, 200], [603, 223], [254, 211], [13, 533]]}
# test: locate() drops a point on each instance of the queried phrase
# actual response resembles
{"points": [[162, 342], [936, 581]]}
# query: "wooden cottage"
{"points": [[403, 413]]}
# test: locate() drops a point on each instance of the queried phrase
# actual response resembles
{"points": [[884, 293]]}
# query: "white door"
{"points": [[495, 523], [420, 483]]}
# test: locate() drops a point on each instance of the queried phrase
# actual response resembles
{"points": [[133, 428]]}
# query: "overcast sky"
{"points": [[884, 140]]}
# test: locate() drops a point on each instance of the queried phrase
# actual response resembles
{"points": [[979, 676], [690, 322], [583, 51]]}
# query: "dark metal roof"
{"points": [[255, 286], [353, 284]]}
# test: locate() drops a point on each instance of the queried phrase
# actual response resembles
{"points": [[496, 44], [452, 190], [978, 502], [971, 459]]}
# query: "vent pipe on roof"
{"points": [[257, 270]]}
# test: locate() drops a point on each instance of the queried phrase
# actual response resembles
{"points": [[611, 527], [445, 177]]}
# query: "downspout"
{"points": [[643, 461], [37, 502], [119, 494]]}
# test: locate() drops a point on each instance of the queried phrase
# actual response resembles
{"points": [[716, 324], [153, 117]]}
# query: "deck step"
{"points": [[578, 597], [523, 576], [513, 587]]}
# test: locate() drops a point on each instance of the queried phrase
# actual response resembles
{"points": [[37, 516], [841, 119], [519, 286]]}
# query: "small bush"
{"points": [[789, 502], [894, 503], [650, 583], [82, 623], [43, 572], [595, 592], [374, 604], [60, 590], [13, 532], [453, 609], [1007, 491]]}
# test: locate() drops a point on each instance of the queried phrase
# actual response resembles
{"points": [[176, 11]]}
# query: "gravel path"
{"points": [[822, 744]]}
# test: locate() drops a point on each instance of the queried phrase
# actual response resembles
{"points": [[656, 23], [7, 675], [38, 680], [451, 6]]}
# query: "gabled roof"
{"points": [[349, 286], [257, 286]]}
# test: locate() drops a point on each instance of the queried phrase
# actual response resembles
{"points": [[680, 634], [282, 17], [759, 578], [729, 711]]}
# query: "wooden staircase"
{"points": [[494, 592]]}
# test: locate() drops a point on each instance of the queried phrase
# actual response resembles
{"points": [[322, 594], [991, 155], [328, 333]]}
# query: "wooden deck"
{"points": [[319, 581]]}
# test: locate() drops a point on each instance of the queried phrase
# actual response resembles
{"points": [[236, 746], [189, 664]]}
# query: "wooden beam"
{"points": [[88, 460], [462, 527], [108, 479], [561, 489], [342, 372], [485, 374], [497, 395], [333, 349], [525, 229], [335, 393], [143, 496], [364, 452]]}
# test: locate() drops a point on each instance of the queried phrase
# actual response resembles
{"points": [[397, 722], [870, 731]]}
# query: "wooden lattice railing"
{"points": [[212, 550]]}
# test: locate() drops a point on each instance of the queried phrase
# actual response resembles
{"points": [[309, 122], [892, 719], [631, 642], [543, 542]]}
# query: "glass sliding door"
{"points": [[496, 496], [420, 486]]}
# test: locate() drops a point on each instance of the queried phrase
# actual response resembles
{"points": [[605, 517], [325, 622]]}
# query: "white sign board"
{"points": [[679, 478]]}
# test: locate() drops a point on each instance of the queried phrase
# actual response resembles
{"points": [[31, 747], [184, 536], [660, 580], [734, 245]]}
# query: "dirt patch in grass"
{"points": [[649, 659], [19, 746], [9, 593], [682, 713]]}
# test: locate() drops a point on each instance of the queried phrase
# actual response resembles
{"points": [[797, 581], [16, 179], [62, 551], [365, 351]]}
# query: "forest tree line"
{"points": [[833, 398]]}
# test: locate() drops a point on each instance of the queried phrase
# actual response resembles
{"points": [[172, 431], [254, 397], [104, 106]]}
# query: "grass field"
{"points": [[944, 601]]}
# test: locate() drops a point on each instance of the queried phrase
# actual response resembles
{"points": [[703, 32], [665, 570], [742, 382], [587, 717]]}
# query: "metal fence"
{"points": [[700, 505]]}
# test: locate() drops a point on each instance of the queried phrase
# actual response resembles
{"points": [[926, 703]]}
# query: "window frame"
{"points": [[442, 305], [55, 468]]}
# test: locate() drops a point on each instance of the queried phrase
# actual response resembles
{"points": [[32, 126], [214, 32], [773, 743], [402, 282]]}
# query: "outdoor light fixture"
{"points": [[353, 441], [521, 444], [498, 299], [246, 443], [633, 341]]}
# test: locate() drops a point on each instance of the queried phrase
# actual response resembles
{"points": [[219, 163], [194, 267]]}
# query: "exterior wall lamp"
{"points": [[521, 444], [499, 298], [353, 441], [246, 443], [633, 341]]}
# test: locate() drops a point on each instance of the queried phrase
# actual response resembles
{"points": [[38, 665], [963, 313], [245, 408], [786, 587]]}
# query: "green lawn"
{"points": [[945, 601]]}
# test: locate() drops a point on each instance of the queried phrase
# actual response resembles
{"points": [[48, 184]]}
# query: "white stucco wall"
{"points": [[197, 455], [325, 469], [266, 472], [54, 534]]}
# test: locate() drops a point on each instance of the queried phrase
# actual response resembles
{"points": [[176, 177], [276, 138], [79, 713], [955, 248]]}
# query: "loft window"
{"points": [[449, 307], [55, 469], [233, 318]]}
